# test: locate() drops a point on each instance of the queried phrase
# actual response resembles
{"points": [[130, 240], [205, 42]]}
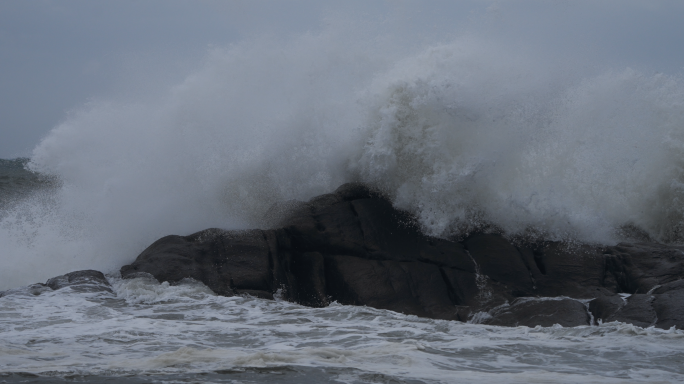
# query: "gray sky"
{"points": [[55, 55]]}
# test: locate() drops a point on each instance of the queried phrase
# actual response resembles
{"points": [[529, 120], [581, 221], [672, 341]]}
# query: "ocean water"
{"points": [[465, 132], [149, 332]]}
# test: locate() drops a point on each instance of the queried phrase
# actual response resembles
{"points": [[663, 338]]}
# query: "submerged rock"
{"points": [[79, 281], [353, 247]]}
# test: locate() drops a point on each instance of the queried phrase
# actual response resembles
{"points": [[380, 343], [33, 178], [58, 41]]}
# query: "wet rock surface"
{"points": [[546, 312], [353, 247], [78, 281]]}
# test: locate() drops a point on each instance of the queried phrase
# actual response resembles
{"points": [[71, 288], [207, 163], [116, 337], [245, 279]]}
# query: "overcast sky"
{"points": [[55, 55]]}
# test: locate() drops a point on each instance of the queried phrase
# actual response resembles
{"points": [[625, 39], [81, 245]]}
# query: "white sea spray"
{"points": [[464, 130]]}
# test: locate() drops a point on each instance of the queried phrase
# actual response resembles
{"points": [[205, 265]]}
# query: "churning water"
{"points": [[464, 133], [151, 332]]}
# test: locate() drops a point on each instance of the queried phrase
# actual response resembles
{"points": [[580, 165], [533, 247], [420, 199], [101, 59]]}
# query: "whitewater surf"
{"points": [[467, 134]]}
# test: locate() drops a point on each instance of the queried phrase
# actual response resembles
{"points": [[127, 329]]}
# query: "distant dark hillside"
{"points": [[16, 181]]}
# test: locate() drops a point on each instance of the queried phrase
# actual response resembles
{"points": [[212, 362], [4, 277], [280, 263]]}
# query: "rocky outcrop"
{"points": [[353, 247], [87, 281]]}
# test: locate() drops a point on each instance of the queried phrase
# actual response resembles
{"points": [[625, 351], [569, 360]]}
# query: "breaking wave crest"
{"points": [[465, 135], [466, 140]]}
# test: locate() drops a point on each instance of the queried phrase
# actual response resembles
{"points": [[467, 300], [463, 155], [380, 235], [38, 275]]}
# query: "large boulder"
{"points": [[352, 246], [228, 262]]}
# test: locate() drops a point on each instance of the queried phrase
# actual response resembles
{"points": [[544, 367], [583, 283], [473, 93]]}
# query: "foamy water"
{"points": [[464, 130], [186, 333]]}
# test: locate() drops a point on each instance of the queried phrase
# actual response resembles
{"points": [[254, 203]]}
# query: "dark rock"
{"points": [[29, 290], [79, 281], [540, 311], [570, 270], [308, 271], [672, 286], [668, 304], [228, 262], [502, 262], [638, 311], [355, 191], [638, 268], [664, 307], [353, 247], [463, 287], [406, 287], [333, 230], [604, 307]]}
